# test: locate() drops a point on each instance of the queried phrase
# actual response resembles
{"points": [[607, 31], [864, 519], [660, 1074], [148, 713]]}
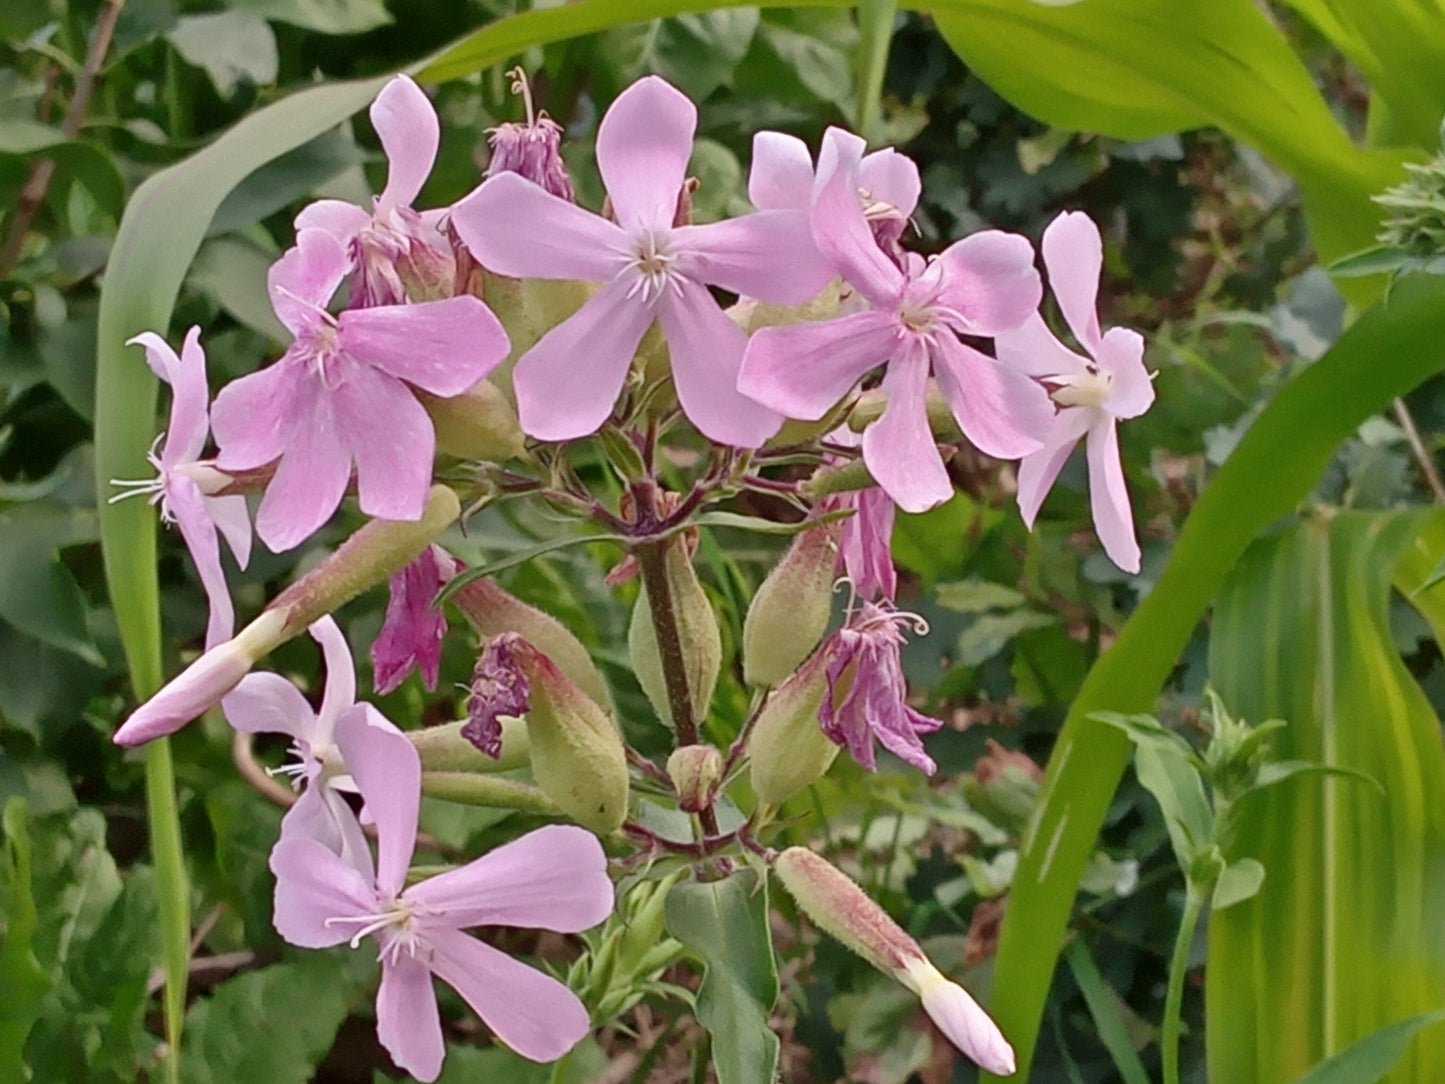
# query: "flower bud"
{"points": [[788, 749], [699, 639], [493, 611], [577, 755], [840, 908], [790, 612], [695, 771], [478, 424], [444, 748]]}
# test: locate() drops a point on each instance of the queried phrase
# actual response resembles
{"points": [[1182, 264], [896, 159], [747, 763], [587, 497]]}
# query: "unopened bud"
{"points": [[699, 639], [445, 749], [202, 684], [478, 424], [493, 611], [840, 908], [427, 272], [695, 771], [941, 422], [788, 749], [790, 612], [577, 755]]}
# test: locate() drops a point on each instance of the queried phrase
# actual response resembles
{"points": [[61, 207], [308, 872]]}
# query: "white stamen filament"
{"points": [[156, 487], [653, 260], [397, 912]]}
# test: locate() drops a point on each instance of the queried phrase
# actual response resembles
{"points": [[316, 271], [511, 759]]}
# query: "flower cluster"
{"points": [[615, 341]]}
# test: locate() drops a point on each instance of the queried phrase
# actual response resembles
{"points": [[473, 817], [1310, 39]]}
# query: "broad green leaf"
{"points": [[1389, 350], [697, 53], [726, 924], [38, 595], [25, 980], [1107, 1009], [269, 1026], [975, 596], [84, 161], [284, 180], [323, 16], [233, 47], [1240, 881], [1372, 1057], [1346, 930], [1171, 777], [989, 633], [233, 271]]}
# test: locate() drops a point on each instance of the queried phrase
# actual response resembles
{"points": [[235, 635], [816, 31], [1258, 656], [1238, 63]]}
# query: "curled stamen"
{"points": [[522, 87]]}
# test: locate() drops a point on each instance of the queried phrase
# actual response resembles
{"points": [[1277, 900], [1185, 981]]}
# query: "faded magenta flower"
{"points": [[864, 556], [180, 473], [866, 696], [980, 286], [650, 269], [412, 632], [339, 395], [392, 242], [554, 878], [1089, 393], [533, 149]]}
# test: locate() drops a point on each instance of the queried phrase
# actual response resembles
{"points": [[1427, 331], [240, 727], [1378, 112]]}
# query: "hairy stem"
{"points": [[1178, 967]]}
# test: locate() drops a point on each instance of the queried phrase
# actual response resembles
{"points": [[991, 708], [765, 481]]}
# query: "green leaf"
{"points": [[1346, 926], [1372, 1057], [86, 162], [284, 180], [1171, 777], [323, 16], [1240, 881], [975, 596], [1389, 350], [697, 53], [269, 1026], [38, 595], [233, 272], [233, 47], [1107, 1009], [989, 633], [726, 923], [25, 980]]}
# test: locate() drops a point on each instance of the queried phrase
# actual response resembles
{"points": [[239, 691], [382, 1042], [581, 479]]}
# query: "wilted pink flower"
{"points": [[391, 242], [339, 395], [176, 486], [866, 696], [979, 286], [554, 878], [1089, 393], [411, 634], [864, 556], [650, 269], [533, 149]]}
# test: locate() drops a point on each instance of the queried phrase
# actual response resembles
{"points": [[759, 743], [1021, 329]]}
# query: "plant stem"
{"points": [[172, 892], [1178, 967]]}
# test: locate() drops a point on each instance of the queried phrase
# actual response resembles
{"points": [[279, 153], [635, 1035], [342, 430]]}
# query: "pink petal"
{"points": [[1074, 257], [1109, 497], [340, 219], [443, 347], [387, 771], [311, 477], [406, 124], [533, 1013], [990, 278], [803, 370], [1032, 348], [1121, 352], [1039, 470], [514, 227], [706, 348], [303, 280], [234, 521], [769, 255], [187, 429], [266, 703], [407, 1021], [553, 878], [892, 178], [188, 507], [839, 228], [322, 815], [187, 695], [898, 448], [968, 1027], [1001, 411], [340, 691], [392, 440], [252, 416], [568, 382], [643, 145], [313, 885], [781, 178]]}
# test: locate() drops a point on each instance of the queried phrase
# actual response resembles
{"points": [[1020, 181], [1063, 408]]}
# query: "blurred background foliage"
{"points": [[1207, 254]]}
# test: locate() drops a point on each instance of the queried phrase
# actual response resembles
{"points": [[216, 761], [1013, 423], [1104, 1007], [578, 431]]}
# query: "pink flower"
{"points": [[177, 485], [266, 703], [650, 269], [392, 237], [532, 149], [980, 286], [866, 691], [958, 1016], [554, 878], [864, 555], [412, 632], [1089, 393], [339, 395]]}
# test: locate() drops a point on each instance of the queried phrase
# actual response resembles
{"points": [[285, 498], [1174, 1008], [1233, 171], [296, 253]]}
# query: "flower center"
{"points": [[1091, 388], [393, 925], [655, 263]]}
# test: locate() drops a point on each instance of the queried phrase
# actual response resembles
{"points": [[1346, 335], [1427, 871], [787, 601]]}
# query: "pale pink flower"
{"points": [[340, 395], [554, 878], [412, 632], [651, 270], [179, 470], [1089, 393], [392, 238], [979, 286], [867, 696]]}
